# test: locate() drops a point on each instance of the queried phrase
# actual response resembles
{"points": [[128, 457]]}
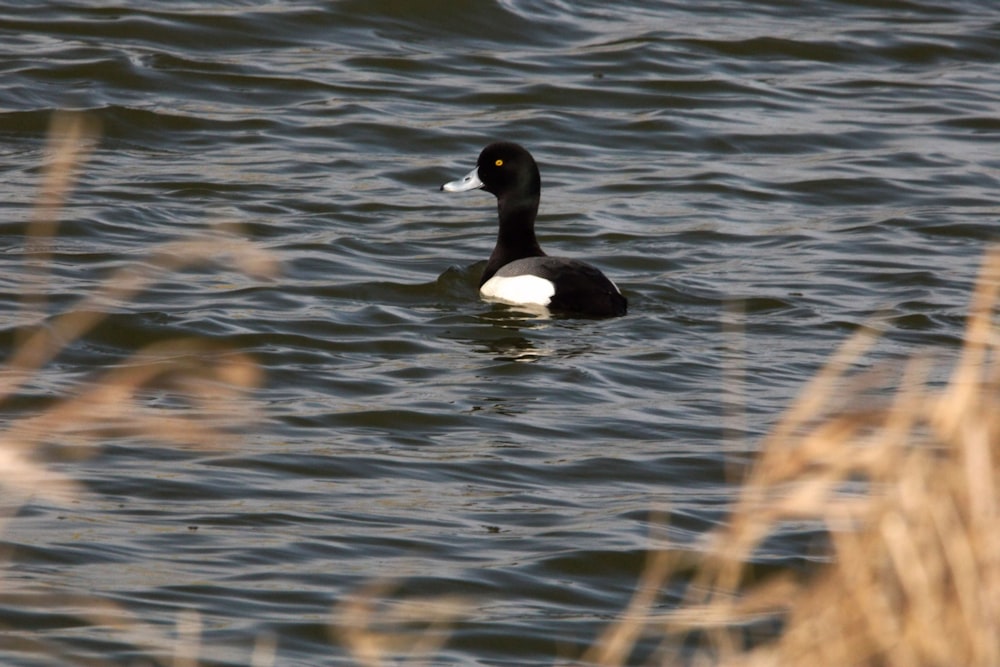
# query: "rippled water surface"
{"points": [[760, 178]]}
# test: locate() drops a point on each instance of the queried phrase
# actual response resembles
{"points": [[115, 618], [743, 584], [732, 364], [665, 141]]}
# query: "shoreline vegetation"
{"points": [[906, 483]]}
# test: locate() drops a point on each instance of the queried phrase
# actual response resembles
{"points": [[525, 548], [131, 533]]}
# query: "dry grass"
{"points": [[908, 488], [208, 378], [378, 630]]}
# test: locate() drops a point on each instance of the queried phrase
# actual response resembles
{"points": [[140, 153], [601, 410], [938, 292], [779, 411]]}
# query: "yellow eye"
{"points": [[499, 163]]}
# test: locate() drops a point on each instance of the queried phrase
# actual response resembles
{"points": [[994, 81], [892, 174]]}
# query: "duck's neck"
{"points": [[516, 237]]}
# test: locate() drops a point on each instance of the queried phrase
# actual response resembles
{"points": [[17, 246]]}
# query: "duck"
{"points": [[518, 272]]}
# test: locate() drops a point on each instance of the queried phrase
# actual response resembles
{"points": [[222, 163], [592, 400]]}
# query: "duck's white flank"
{"points": [[522, 289]]}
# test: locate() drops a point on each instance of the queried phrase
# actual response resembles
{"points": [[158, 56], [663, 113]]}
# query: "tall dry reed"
{"points": [[210, 378], [908, 489]]}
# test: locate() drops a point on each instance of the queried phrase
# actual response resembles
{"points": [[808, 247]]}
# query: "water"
{"points": [[760, 178]]}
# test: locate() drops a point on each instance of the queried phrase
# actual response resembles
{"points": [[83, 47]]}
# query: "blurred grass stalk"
{"points": [[206, 380], [908, 488]]}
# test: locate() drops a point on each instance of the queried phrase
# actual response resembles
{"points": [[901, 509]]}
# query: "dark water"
{"points": [[760, 178]]}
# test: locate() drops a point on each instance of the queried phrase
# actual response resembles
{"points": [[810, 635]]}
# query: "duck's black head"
{"points": [[504, 169], [507, 168]]}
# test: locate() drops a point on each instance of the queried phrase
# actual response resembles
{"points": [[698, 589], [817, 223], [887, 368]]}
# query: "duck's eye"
{"points": [[499, 163]]}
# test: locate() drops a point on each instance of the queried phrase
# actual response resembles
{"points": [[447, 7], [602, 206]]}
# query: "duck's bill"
{"points": [[468, 182]]}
